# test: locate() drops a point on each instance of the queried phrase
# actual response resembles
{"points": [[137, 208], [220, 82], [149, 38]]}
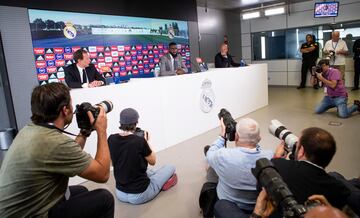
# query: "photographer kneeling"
{"points": [[131, 154], [35, 173], [236, 184], [336, 94]]}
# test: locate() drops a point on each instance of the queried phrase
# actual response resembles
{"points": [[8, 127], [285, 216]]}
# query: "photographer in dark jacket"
{"points": [[223, 59]]}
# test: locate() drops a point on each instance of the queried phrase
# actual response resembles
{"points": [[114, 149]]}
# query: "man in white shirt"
{"points": [[336, 50]]}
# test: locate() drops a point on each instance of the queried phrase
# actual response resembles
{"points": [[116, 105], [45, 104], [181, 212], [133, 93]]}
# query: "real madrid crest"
{"points": [[69, 30], [207, 96]]}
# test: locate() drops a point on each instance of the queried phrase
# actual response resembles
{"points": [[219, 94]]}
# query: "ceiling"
{"points": [[239, 4]]}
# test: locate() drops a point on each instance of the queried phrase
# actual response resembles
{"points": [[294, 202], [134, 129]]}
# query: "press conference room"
{"points": [[193, 108]]}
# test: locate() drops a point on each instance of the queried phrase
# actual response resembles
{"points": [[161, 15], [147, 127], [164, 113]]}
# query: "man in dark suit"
{"points": [[223, 59], [82, 74]]}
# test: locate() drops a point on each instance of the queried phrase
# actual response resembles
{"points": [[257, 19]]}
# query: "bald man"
{"points": [[338, 46], [223, 59]]}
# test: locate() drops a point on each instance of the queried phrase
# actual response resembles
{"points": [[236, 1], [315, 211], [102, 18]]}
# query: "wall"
{"points": [[213, 25], [287, 71], [16, 38]]}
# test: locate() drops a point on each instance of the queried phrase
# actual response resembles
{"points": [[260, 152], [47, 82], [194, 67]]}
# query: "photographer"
{"points": [[306, 174], [336, 94], [236, 183], [131, 154], [35, 172]]}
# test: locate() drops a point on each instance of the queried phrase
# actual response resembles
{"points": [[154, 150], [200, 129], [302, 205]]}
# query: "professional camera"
{"points": [[230, 124], [278, 130], [280, 194], [141, 133], [81, 113], [316, 69], [331, 54]]}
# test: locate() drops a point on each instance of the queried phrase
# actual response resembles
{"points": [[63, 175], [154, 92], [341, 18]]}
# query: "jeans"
{"points": [[157, 179], [339, 102], [228, 209], [84, 203]]}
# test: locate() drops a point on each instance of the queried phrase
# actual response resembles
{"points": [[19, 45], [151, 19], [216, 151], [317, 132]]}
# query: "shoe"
{"points": [[300, 87], [206, 148], [354, 89], [357, 102], [170, 183]]}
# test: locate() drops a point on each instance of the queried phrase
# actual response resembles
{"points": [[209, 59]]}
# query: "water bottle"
{"points": [[242, 63]]}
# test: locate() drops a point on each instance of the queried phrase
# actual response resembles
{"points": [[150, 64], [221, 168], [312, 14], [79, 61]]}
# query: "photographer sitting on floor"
{"points": [[130, 154], [336, 94], [233, 165]]}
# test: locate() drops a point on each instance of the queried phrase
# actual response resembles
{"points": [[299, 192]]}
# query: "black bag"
{"points": [[207, 199]]}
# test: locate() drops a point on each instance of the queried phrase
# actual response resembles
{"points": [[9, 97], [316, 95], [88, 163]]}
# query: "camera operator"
{"points": [[336, 94], [306, 174], [336, 49], [35, 172], [236, 184], [131, 154]]}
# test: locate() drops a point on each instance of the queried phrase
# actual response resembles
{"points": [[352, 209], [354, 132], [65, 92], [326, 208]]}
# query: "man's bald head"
{"points": [[324, 212], [335, 36]]}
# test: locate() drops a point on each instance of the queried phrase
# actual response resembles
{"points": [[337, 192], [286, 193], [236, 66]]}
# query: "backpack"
{"points": [[207, 199]]}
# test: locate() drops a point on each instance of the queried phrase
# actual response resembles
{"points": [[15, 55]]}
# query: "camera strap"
{"points": [[49, 126]]}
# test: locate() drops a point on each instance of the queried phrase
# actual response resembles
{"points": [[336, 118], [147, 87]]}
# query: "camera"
{"points": [[279, 130], [316, 69], [331, 54], [81, 113], [280, 194], [230, 124], [141, 133]]}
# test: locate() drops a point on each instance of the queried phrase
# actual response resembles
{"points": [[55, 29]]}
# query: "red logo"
{"points": [[107, 53], [50, 57], [151, 56], [134, 62], [129, 68], [116, 69], [133, 52], [115, 59], [122, 63], [156, 51], [135, 71], [51, 69], [75, 48], [166, 51], [127, 58], [141, 66], [149, 47], [138, 47], [127, 47], [139, 57], [145, 52], [40, 64], [108, 64], [39, 51], [121, 53], [43, 77], [146, 70], [101, 59], [68, 56], [160, 46], [146, 61], [156, 60], [113, 48], [60, 63], [99, 48], [58, 50], [151, 65], [123, 73], [93, 55]]}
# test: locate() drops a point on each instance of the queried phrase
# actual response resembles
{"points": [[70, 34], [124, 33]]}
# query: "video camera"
{"points": [[81, 113], [279, 130], [279, 193], [230, 124]]}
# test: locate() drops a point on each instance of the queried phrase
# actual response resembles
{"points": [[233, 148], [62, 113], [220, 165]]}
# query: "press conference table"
{"points": [[176, 108]]}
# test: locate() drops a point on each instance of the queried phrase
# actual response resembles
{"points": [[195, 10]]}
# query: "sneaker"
{"points": [[170, 183], [357, 102], [206, 148]]}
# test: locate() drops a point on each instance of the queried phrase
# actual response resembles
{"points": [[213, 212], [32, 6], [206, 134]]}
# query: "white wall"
{"points": [[287, 72]]}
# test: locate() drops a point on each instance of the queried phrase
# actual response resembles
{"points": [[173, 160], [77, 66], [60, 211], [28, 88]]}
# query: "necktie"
{"points": [[84, 76]]}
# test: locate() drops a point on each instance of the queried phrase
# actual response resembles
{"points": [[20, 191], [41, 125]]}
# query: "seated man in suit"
{"points": [[82, 74], [223, 59], [171, 64]]}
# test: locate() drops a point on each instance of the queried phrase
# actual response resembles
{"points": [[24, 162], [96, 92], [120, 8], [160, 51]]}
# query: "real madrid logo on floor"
{"points": [[69, 30], [207, 96]]}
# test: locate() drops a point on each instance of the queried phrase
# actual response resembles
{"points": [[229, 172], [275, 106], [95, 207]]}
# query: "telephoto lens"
{"points": [[279, 130], [82, 118]]}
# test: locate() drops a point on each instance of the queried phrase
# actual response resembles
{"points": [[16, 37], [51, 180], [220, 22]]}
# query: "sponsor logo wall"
{"points": [[118, 51]]}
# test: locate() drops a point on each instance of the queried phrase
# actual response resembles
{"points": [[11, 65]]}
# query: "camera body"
{"points": [[141, 133], [230, 124], [268, 177], [279, 130], [316, 69], [331, 54], [81, 113]]}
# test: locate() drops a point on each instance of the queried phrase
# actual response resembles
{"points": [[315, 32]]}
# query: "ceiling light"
{"points": [[274, 11], [251, 15]]}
